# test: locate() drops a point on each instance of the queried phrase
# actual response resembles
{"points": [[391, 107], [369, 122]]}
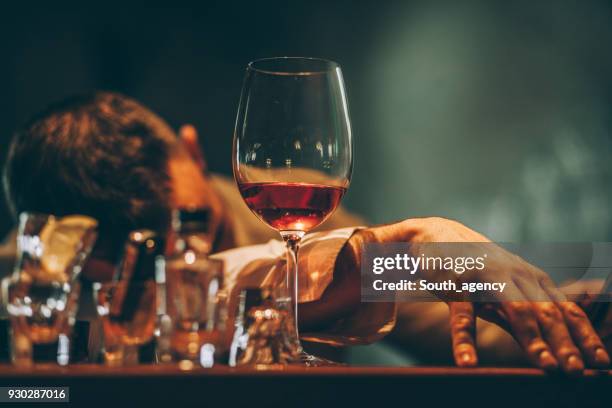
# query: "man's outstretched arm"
{"points": [[553, 334]]}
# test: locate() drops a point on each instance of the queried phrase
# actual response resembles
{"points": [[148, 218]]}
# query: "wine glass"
{"points": [[292, 157]]}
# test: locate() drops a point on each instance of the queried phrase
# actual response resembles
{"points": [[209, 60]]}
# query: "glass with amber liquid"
{"points": [[127, 306]]}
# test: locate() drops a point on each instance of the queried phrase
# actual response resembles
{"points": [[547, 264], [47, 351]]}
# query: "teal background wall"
{"points": [[495, 113]]}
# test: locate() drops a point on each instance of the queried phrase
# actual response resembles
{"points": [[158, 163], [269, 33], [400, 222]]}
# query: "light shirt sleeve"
{"points": [[261, 265]]}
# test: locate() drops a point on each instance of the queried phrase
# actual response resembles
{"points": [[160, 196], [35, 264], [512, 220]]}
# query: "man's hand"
{"points": [[587, 295], [554, 333]]}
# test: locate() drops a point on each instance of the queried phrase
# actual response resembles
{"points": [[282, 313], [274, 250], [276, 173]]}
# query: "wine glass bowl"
{"points": [[292, 206], [292, 155], [292, 145]]}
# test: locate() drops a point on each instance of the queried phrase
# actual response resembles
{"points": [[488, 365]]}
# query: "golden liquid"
{"points": [[132, 323], [187, 344]]}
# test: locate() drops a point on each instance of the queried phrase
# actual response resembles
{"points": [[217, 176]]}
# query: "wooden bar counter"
{"points": [[159, 385]]}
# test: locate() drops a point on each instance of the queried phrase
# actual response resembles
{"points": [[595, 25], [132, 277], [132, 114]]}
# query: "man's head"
{"points": [[106, 156]]}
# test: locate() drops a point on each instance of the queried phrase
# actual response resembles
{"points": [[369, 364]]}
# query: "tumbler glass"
{"points": [[195, 307], [127, 306], [42, 293]]}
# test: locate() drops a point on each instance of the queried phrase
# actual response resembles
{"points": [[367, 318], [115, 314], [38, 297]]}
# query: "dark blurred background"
{"points": [[492, 112]]}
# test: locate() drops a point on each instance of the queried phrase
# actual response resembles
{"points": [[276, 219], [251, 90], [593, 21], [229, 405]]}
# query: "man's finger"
{"points": [[584, 335], [555, 331], [463, 333], [525, 329]]}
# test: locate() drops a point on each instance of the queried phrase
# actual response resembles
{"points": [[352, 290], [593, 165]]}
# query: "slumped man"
{"points": [[106, 156]]}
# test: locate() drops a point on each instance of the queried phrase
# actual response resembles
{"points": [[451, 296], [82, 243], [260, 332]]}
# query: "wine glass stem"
{"points": [[291, 283]]}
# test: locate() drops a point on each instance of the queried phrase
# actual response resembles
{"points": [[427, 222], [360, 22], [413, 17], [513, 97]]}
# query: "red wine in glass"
{"points": [[291, 206]]}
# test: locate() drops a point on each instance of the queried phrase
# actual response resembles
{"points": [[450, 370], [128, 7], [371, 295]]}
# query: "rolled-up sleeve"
{"points": [[260, 265]]}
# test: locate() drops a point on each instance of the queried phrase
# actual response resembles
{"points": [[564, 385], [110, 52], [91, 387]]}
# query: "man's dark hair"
{"points": [[102, 155]]}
